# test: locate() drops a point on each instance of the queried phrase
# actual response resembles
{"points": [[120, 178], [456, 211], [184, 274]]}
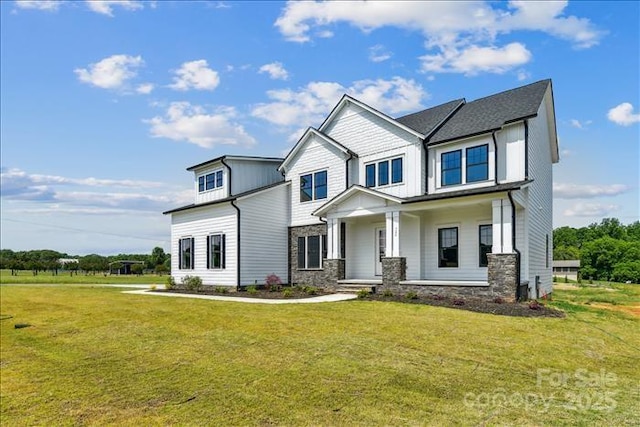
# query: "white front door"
{"points": [[381, 244]]}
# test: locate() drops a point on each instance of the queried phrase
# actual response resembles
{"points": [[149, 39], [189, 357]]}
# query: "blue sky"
{"points": [[104, 104]]}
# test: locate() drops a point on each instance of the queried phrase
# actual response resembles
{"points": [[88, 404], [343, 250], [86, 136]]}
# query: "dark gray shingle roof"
{"points": [[490, 113], [425, 121]]}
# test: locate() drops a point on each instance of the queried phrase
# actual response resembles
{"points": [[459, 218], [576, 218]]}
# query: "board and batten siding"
{"points": [[467, 219], [511, 153], [247, 174], [199, 223], [374, 139], [540, 213], [317, 155], [264, 220]]}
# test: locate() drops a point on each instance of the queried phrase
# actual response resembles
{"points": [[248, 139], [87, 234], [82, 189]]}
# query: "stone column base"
{"points": [[394, 270], [503, 275], [334, 270]]}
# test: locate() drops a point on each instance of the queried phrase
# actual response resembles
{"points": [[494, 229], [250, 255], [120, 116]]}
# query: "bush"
{"points": [[287, 293], [192, 283], [363, 293], [411, 295], [387, 293], [153, 287], [252, 290], [310, 290], [221, 289], [170, 283], [535, 305], [273, 283]]}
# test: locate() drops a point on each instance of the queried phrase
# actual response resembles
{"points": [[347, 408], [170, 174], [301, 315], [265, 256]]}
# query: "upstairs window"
{"points": [[452, 167], [210, 181], [384, 173], [313, 186], [216, 251], [485, 243], [448, 247], [478, 163], [186, 253]]}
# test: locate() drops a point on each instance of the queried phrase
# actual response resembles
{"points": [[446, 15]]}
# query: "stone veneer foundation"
{"points": [[326, 277]]}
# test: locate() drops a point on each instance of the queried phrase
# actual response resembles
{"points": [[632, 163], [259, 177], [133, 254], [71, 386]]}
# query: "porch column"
{"points": [[392, 234], [333, 238], [502, 227]]}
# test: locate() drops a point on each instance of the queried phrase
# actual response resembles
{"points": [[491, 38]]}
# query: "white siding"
{"points": [[317, 155], [373, 138], [540, 209], [511, 162], [216, 193], [264, 220], [410, 242], [248, 174], [435, 167], [467, 219], [199, 223]]}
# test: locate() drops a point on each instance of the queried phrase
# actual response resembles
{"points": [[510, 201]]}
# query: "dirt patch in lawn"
{"points": [[517, 309], [284, 293], [633, 310]]}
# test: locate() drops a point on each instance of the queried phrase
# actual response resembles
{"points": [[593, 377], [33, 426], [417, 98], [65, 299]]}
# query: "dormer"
{"points": [[228, 176]]}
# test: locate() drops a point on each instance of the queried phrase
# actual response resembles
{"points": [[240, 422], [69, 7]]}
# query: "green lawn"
{"points": [[27, 277], [97, 356]]}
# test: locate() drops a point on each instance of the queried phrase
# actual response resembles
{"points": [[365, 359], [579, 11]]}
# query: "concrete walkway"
{"points": [[312, 300]]}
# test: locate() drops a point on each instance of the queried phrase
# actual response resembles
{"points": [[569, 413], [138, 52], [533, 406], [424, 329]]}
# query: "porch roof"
{"points": [[350, 192], [469, 192]]}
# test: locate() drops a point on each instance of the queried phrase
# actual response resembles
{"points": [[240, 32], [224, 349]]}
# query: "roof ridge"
{"points": [[509, 90]]}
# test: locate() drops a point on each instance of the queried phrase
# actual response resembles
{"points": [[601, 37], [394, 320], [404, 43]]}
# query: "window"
{"points": [[313, 186], [486, 241], [451, 168], [210, 181], [385, 173], [448, 247], [216, 248], [371, 175], [311, 251], [396, 170], [478, 163], [186, 253]]}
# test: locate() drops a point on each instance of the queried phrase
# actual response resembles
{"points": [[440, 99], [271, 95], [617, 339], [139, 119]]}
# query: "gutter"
{"points": [[513, 243], [238, 258], [228, 180]]}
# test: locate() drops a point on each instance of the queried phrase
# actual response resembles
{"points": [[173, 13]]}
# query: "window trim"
{"points": [[480, 227], [216, 176], [313, 186], [374, 166], [440, 247], [181, 252], [322, 252], [467, 164], [210, 251], [442, 168]]}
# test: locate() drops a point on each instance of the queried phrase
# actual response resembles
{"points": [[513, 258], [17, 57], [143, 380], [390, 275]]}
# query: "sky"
{"points": [[105, 103]]}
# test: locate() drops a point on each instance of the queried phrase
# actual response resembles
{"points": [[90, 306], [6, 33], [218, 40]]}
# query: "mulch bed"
{"points": [[259, 293], [517, 309]]}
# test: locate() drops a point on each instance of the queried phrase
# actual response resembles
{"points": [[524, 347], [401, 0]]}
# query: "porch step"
{"points": [[354, 288]]}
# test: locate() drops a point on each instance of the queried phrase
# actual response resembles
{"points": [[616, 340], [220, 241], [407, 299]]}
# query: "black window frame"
{"points": [[484, 248], [312, 257], [309, 187], [221, 252], [184, 251], [317, 185], [210, 181], [377, 175], [444, 262], [383, 173], [201, 184], [370, 175], [444, 169], [394, 167], [484, 163]]}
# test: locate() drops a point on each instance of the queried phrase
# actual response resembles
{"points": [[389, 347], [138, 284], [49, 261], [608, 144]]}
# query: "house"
{"points": [[235, 232], [566, 268], [454, 199]]}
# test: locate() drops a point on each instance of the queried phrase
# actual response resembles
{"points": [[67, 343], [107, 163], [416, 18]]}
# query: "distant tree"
{"points": [[633, 231], [157, 257], [137, 269], [600, 256], [628, 271], [565, 236], [6, 258], [93, 263], [566, 252], [161, 269]]}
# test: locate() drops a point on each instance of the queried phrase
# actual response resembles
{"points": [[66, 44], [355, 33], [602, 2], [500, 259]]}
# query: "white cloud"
{"points": [[460, 37], [309, 105], [378, 53], [195, 75], [46, 5], [586, 191], [105, 7], [145, 88], [192, 123], [523, 75], [623, 115], [275, 70], [110, 73], [580, 125], [590, 210]]}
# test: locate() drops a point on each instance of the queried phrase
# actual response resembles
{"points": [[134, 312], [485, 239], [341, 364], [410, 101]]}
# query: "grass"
{"points": [[97, 356], [27, 277]]}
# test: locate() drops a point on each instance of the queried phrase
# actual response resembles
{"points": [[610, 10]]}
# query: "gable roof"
{"points": [[492, 112], [346, 99], [227, 157], [348, 193], [426, 121], [303, 139]]}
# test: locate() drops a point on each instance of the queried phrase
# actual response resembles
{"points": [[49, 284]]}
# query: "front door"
{"points": [[381, 244]]}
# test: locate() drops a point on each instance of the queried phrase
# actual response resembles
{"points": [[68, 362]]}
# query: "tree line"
{"points": [[607, 251], [48, 260]]}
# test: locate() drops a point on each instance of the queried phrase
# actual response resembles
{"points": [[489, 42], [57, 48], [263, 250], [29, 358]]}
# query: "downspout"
{"points": [[346, 172], [513, 244], [238, 258], [495, 157], [426, 166], [228, 181], [526, 149]]}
